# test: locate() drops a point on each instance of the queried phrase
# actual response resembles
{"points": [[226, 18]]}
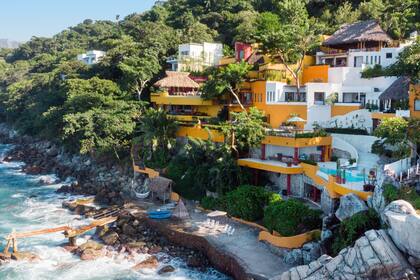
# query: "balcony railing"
{"points": [[290, 132]]}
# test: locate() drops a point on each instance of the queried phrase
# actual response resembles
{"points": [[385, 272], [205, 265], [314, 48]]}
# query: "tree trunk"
{"points": [[140, 87], [237, 99]]}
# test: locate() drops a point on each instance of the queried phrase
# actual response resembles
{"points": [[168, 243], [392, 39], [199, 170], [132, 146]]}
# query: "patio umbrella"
{"points": [[295, 119]]}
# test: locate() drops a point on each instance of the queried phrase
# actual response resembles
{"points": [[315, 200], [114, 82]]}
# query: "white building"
{"points": [[196, 57], [348, 52], [91, 57]]}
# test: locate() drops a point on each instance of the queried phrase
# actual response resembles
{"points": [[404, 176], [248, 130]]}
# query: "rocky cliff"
{"points": [[391, 253]]}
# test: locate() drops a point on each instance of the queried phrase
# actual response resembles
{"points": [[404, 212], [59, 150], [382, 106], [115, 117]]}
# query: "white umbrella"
{"points": [[295, 119]]}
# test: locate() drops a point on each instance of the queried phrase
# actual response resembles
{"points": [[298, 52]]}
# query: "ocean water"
{"points": [[26, 205]]}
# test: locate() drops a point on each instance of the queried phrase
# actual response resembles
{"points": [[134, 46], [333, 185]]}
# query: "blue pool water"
{"points": [[351, 178], [25, 205]]}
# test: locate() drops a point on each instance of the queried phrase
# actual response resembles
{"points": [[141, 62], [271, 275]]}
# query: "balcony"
{"points": [[271, 166], [180, 98]]}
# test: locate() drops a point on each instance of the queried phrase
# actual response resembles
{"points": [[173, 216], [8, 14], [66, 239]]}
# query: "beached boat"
{"points": [[159, 214]]}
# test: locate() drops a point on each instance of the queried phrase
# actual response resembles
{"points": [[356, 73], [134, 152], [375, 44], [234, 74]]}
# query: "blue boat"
{"points": [[159, 214]]}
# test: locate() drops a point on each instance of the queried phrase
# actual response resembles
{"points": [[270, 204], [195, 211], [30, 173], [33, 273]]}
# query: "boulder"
{"points": [[166, 269], [350, 204], [311, 251], [151, 263], [377, 199], [294, 257], [374, 256], [110, 238], [92, 254], [24, 256], [91, 245], [403, 226]]}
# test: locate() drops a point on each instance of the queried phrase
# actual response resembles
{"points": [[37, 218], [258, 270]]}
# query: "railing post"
{"points": [[289, 184]]}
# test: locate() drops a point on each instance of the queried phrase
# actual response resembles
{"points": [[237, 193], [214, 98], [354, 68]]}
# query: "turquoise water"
{"points": [[27, 205], [349, 176]]}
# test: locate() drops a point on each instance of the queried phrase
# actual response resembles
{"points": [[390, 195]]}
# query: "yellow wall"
{"points": [[315, 73], [342, 110], [298, 142], [381, 116], [270, 167], [200, 133], [276, 113], [164, 98], [290, 242], [414, 94]]}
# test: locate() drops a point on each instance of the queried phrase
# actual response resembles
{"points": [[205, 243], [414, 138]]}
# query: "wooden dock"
{"points": [[69, 232]]}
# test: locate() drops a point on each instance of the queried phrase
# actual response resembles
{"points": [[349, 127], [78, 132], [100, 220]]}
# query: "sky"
{"points": [[22, 19]]}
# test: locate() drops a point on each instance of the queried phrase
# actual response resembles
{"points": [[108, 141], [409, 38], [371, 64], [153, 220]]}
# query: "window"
{"points": [[376, 59], [241, 54], [289, 96], [350, 97], [371, 59], [417, 105], [367, 60], [319, 98], [270, 96], [185, 53], [379, 58], [388, 55]]}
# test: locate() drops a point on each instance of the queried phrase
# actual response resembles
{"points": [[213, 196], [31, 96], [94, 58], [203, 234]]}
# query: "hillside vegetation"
{"points": [[45, 92]]}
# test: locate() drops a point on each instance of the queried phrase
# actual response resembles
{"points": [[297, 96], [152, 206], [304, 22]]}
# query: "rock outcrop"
{"points": [[374, 256], [308, 253], [377, 199], [350, 204], [404, 227]]}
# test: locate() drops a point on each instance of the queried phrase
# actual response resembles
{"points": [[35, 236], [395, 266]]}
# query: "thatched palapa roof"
{"points": [[362, 31], [398, 90], [177, 80]]}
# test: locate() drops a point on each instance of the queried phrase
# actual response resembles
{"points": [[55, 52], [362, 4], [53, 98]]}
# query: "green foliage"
{"points": [[210, 203], [226, 81], [288, 35], [248, 202], [157, 134], [342, 130], [39, 91], [204, 165], [245, 130], [390, 193], [353, 228], [291, 217], [395, 132]]}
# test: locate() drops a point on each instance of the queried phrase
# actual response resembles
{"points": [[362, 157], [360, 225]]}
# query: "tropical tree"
{"points": [[157, 134], [140, 69], [244, 130], [226, 81], [288, 37], [403, 134]]}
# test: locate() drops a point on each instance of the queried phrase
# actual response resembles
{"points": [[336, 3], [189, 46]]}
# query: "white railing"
{"points": [[397, 167], [343, 145], [402, 113]]}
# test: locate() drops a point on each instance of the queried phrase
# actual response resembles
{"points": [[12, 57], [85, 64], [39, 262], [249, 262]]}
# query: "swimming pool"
{"points": [[350, 177]]}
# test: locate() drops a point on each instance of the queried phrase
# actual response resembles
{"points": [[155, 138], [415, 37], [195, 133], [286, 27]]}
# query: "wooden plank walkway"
{"points": [[69, 232]]}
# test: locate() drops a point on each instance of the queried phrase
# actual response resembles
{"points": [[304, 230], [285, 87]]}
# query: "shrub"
{"points": [[390, 193], [291, 217], [210, 203], [353, 228], [248, 202], [308, 161], [340, 130]]}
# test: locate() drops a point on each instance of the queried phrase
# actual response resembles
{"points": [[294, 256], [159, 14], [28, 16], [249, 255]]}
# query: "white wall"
{"points": [[362, 143], [356, 119]]}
